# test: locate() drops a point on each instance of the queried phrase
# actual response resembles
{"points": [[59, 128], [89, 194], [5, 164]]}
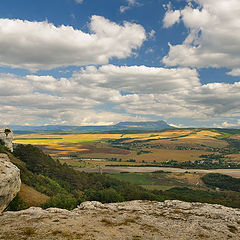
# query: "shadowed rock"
{"points": [[6, 135], [9, 181]]}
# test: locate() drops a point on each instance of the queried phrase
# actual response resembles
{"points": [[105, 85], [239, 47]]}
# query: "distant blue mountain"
{"points": [[150, 125], [143, 125]]}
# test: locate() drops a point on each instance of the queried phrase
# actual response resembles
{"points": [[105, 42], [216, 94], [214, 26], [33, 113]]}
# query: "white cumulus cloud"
{"points": [[235, 72], [141, 79], [171, 17], [214, 35], [130, 4], [126, 92], [79, 1], [41, 45]]}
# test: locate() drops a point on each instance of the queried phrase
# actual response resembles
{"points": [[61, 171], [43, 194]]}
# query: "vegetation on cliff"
{"points": [[222, 181], [68, 187]]}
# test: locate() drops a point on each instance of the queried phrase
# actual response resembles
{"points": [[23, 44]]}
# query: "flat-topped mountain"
{"points": [[145, 125]]}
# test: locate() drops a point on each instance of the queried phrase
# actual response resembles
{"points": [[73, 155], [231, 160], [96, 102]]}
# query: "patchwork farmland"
{"points": [[101, 149]]}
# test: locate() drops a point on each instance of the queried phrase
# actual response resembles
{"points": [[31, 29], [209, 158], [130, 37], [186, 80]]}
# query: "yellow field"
{"points": [[191, 142], [157, 135], [64, 149], [66, 144], [203, 135], [159, 155], [179, 145], [76, 138], [59, 138], [234, 157]]}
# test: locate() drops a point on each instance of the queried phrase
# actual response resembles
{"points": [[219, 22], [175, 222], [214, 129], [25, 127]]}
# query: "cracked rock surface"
{"points": [[9, 181], [127, 220]]}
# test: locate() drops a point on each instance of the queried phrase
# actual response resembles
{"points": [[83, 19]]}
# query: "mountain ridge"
{"points": [[144, 125]]}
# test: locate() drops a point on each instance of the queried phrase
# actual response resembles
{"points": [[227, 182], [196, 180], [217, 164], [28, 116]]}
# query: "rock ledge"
{"points": [[128, 220]]}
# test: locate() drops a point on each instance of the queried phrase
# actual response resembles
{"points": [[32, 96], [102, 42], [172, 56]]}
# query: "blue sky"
{"points": [[96, 62]]}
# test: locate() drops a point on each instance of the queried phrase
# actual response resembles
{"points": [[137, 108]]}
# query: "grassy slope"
{"points": [[31, 196], [28, 194]]}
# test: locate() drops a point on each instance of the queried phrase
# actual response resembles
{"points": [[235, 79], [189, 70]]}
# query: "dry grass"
{"points": [[203, 134], [157, 135], [29, 231], [188, 142], [108, 222], [127, 221], [159, 155], [188, 178], [31, 196], [234, 157]]}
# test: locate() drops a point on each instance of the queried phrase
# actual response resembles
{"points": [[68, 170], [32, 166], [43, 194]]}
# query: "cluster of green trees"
{"points": [[203, 164], [198, 164], [139, 152], [3, 149], [222, 181], [230, 199]]}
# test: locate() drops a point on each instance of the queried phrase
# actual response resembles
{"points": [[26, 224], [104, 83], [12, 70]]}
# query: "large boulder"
{"points": [[6, 135], [9, 181], [126, 220]]}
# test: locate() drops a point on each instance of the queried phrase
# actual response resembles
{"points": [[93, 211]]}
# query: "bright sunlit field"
{"points": [[171, 145]]}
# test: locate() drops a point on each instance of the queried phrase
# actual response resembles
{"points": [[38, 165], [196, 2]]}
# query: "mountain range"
{"points": [[121, 126]]}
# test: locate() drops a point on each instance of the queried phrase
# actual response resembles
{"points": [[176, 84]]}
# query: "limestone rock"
{"points": [[6, 135], [9, 181], [146, 220]]}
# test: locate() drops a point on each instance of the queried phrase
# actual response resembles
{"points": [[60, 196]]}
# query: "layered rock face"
{"points": [[6, 135], [9, 181], [172, 220]]}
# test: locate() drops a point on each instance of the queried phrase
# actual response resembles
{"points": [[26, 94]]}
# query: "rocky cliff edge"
{"points": [[9, 181], [132, 220], [6, 135]]}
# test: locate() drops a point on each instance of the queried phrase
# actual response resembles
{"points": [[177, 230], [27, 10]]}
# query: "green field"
{"points": [[136, 178], [162, 180]]}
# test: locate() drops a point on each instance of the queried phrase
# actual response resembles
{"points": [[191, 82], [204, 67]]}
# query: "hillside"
{"points": [[54, 184], [65, 187], [143, 125], [48, 183]]}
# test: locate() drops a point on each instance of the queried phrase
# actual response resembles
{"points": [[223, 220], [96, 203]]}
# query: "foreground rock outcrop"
{"points": [[9, 181], [6, 135], [132, 220]]}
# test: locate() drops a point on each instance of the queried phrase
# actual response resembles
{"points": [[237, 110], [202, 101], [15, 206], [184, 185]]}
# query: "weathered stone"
{"points": [[127, 220], [9, 181], [6, 135]]}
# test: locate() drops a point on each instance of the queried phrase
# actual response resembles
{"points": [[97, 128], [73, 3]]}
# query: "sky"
{"points": [[100, 62]]}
